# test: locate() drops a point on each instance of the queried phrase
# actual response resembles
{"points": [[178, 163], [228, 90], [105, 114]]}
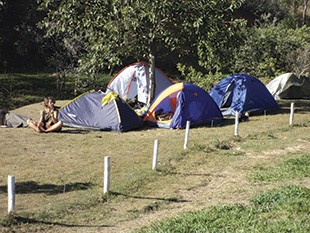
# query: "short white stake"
{"points": [[11, 194], [188, 123], [236, 123], [106, 178], [292, 114], [155, 155]]}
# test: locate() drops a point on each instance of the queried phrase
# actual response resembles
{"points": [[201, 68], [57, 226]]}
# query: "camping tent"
{"points": [[133, 81], [99, 111], [242, 93], [180, 103], [9, 119], [289, 86]]}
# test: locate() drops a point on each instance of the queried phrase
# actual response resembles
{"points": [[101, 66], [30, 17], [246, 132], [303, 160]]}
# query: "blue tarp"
{"points": [[242, 93]]}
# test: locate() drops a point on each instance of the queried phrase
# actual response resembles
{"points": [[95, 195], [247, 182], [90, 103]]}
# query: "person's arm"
{"points": [[40, 122], [55, 116]]}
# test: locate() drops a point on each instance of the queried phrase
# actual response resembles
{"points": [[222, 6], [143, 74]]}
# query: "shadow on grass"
{"points": [[15, 219], [149, 198], [74, 131], [49, 189], [192, 174], [300, 106]]}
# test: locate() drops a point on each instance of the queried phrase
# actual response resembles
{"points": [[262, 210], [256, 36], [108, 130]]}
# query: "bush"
{"points": [[205, 81], [266, 49]]}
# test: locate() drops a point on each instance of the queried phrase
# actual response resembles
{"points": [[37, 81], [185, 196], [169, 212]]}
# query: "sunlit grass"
{"points": [[285, 209], [297, 167], [59, 177]]}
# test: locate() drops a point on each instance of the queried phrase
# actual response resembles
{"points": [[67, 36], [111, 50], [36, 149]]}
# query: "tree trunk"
{"points": [[152, 79], [304, 14]]}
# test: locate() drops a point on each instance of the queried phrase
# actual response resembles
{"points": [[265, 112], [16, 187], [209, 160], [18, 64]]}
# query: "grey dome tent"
{"points": [[100, 111], [289, 86]]}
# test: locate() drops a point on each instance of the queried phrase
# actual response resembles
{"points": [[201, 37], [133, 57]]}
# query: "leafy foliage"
{"points": [[105, 33], [21, 42], [266, 50]]}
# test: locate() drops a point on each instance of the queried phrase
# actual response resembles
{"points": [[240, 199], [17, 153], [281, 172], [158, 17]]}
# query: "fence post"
{"points": [[292, 114], [155, 155], [11, 194], [236, 123], [188, 123], [106, 178]]}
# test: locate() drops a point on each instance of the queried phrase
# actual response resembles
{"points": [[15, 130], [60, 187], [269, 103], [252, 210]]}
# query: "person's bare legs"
{"points": [[55, 127], [36, 128]]}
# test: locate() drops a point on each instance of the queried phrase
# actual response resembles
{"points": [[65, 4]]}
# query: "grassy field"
{"points": [[221, 183]]}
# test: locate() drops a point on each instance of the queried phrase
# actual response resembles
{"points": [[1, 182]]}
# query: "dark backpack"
{"points": [[2, 116]]}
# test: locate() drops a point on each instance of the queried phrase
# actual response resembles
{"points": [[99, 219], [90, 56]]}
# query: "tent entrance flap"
{"points": [[227, 99]]}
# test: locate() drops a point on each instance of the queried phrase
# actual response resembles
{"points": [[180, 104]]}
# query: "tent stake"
{"points": [[11, 194], [106, 178], [292, 114], [155, 155], [236, 123], [188, 123]]}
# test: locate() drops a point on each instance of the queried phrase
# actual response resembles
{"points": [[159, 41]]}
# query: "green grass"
{"points": [[290, 169], [285, 209], [282, 209], [59, 176]]}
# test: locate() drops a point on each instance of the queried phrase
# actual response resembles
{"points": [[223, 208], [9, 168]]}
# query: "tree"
{"points": [[20, 39], [304, 13], [279, 10], [109, 32], [269, 51]]}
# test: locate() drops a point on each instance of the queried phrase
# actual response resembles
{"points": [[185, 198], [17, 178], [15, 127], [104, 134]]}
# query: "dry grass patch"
{"points": [[59, 176]]}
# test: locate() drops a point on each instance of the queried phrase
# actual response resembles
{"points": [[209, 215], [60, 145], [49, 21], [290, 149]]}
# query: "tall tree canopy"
{"points": [[21, 46], [104, 33]]}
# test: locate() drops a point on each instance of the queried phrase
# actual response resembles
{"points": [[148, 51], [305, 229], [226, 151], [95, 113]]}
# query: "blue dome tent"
{"points": [[180, 103], [242, 93]]}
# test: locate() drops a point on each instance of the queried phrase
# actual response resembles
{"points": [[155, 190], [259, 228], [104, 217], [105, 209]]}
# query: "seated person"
{"points": [[48, 121]]}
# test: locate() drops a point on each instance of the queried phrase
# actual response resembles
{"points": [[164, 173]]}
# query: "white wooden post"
{"points": [[155, 155], [236, 123], [11, 194], [106, 179], [292, 114], [188, 123]]}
